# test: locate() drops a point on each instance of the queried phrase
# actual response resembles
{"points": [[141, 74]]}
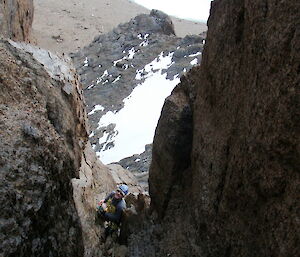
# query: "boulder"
{"points": [[43, 133], [164, 21]]}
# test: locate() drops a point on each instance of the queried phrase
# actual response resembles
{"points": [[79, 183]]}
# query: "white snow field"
{"points": [[136, 122]]}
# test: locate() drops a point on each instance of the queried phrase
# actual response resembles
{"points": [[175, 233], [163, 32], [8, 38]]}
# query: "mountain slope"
{"points": [[127, 73]]}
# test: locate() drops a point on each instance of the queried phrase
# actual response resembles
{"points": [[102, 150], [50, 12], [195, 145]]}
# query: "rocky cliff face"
{"points": [[234, 189], [16, 17], [94, 183], [47, 164], [42, 126]]}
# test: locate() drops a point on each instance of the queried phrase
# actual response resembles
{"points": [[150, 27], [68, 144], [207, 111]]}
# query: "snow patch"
{"points": [[86, 62], [194, 62], [91, 86], [115, 62], [141, 37], [145, 43], [136, 122], [196, 54], [97, 107], [131, 53], [99, 79], [159, 63], [117, 79]]}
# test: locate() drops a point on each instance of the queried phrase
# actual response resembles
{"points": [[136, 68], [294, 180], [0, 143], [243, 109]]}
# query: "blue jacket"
{"points": [[118, 204]]}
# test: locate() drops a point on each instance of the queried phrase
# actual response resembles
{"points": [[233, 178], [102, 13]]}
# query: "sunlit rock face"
{"points": [[16, 17], [237, 194], [42, 127], [127, 73], [95, 182]]}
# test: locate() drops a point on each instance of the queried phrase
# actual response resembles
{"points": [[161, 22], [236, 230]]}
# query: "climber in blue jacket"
{"points": [[112, 207]]}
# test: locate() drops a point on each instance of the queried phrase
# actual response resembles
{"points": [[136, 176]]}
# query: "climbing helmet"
{"points": [[123, 189]]}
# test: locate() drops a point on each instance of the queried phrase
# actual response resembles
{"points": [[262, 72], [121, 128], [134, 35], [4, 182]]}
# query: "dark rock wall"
{"points": [[171, 147], [42, 127], [241, 194], [16, 17]]}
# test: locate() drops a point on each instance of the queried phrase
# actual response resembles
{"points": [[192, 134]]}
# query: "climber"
{"points": [[111, 209]]}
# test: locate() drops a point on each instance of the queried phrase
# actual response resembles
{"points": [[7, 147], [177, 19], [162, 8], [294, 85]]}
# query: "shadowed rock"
{"points": [[240, 194]]}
